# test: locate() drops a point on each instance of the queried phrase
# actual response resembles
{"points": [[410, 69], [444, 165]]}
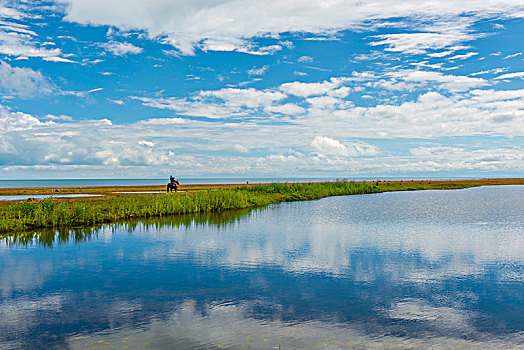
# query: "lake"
{"points": [[397, 270]]}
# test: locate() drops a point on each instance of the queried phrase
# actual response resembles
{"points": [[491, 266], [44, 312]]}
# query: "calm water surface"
{"points": [[397, 270]]}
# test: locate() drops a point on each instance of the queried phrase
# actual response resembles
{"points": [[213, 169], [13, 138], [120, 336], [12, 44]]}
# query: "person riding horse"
{"points": [[173, 184]]}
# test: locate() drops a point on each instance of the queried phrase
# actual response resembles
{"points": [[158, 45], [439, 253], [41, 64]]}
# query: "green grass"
{"points": [[26, 216]]}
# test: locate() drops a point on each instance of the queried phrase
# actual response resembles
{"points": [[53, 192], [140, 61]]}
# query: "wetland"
{"points": [[409, 269]]}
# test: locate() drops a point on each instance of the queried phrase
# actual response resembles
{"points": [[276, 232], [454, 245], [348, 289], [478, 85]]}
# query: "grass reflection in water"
{"points": [[50, 237]]}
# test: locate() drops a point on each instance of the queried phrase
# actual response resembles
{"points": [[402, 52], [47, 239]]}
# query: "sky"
{"points": [[241, 88]]}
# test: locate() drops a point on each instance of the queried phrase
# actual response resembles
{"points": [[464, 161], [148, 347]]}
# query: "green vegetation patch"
{"points": [[26, 216]]}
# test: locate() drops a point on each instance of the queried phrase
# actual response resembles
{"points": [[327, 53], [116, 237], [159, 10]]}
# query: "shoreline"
{"points": [[125, 190], [22, 216], [98, 192]]}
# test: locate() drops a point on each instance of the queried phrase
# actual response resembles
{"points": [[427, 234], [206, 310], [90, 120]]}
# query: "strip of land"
{"points": [[125, 202]]}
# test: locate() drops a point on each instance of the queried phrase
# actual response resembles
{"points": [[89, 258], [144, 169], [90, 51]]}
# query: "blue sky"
{"points": [[129, 88]]}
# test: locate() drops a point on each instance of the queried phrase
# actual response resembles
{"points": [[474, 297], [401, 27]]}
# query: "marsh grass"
{"points": [[26, 216]]}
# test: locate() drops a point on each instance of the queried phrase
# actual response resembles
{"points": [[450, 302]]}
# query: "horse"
{"points": [[172, 186]]}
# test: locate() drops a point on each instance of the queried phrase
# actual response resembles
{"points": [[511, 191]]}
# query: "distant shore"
{"points": [[114, 203]]}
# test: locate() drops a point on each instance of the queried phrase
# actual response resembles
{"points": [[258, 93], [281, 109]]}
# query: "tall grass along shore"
{"points": [[47, 213]]}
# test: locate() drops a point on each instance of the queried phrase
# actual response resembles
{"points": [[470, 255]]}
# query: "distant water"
{"points": [[404, 270]]}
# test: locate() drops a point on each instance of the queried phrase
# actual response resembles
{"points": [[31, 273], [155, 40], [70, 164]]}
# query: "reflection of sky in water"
{"points": [[42, 196], [399, 269]]}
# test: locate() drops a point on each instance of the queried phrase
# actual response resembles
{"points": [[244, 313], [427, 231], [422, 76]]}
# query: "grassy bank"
{"points": [[25, 216], [63, 214]]}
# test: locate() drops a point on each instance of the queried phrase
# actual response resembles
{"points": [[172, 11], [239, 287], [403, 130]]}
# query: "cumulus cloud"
{"points": [[314, 89], [329, 106], [14, 121], [156, 145], [328, 146], [228, 25], [328, 103], [121, 49], [294, 127]]}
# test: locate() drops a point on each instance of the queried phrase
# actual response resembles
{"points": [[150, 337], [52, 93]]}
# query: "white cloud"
{"points": [[162, 121], [492, 71], [81, 93], [121, 49], [510, 75], [23, 82], [288, 109], [293, 146], [240, 148], [449, 82], [314, 89], [305, 59], [17, 39], [486, 96], [192, 107], [146, 143], [258, 71], [295, 127], [245, 97], [9, 12], [512, 56], [58, 59], [444, 158], [328, 102], [228, 25], [328, 146], [439, 34], [464, 56], [418, 43], [14, 121]]}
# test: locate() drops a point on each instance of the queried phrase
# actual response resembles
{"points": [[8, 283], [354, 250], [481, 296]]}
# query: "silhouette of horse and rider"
{"points": [[173, 184]]}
